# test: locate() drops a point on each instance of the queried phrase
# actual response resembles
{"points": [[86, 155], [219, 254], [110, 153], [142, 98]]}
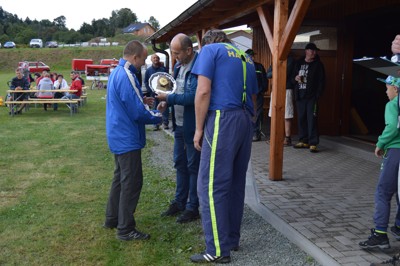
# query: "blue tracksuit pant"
{"points": [[225, 155], [386, 188]]}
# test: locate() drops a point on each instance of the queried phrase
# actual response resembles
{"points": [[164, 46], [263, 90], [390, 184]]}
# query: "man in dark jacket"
{"points": [[310, 78], [186, 157], [262, 87], [155, 67]]}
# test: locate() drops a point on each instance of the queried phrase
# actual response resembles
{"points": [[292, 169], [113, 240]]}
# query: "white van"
{"points": [[38, 43]]}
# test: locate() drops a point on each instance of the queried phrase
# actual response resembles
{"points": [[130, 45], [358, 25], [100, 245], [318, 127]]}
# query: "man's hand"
{"points": [[161, 96], [396, 45], [162, 106], [198, 139], [148, 100]]}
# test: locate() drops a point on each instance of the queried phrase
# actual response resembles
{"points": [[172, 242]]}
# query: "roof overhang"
{"points": [[207, 14]]}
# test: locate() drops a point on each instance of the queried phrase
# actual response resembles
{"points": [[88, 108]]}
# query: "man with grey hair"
{"points": [[127, 112], [186, 157], [224, 104]]}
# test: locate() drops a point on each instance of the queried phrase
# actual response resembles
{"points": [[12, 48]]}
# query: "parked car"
{"points": [[52, 44], [9, 45], [38, 43], [35, 66]]}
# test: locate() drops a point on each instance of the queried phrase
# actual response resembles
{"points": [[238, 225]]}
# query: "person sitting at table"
{"points": [[59, 84], [45, 87], [19, 83], [75, 85]]}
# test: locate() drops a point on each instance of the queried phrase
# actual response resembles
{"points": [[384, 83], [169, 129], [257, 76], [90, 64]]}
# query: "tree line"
{"points": [[13, 28]]}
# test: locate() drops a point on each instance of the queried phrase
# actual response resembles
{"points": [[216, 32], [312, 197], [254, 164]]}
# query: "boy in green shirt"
{"points": [[387, 147]]}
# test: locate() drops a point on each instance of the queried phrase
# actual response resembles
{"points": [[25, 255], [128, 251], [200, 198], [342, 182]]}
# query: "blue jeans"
{"points": [[187, 160], [386, 189]]}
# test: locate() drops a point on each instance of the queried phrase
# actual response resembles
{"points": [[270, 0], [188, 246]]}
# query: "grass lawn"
{"points": [[55, 174]]}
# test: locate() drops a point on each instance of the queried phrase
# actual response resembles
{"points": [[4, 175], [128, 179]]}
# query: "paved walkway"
{"points": [[325, 202]]}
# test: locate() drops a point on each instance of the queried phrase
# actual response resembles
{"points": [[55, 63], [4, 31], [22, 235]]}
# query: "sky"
{"points": [[78, 12]]}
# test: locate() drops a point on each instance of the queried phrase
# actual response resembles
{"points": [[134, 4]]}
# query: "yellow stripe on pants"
{"points": [[211, 184]]}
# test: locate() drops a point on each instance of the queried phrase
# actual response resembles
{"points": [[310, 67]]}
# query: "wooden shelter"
{"points": [[342, 29]]}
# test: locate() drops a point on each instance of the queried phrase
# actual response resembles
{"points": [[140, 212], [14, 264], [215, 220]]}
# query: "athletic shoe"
{"points": [[257, 137], [313, 148], [188, 216], [165, 126], [375, 240], [395, 231], [172, 210], [134, 235], [301, 145], [156, 128], [393, 261], [207, 258]]}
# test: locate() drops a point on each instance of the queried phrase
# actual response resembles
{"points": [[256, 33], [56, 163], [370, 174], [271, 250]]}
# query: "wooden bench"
{"points": [[83, 99], [41, 101]]}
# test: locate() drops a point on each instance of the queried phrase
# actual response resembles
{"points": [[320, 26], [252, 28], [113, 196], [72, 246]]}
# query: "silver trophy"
{"points": [[162, 82]]}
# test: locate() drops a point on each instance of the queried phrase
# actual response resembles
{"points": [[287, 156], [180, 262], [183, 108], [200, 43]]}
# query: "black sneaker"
{"points": [[188, 216], [376, 240], [393, 261], [395, 231], [172, 210], [134, 235], [206, 258]]}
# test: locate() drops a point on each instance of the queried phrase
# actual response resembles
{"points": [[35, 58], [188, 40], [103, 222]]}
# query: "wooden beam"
{"points": [[243, 7], [278, 93], [292, 27], [266, 23], [199, 36]]}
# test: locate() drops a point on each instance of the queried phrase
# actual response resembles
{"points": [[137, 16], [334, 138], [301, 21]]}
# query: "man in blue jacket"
{"points": [[127, 112], [155, 67], [186, 157]]}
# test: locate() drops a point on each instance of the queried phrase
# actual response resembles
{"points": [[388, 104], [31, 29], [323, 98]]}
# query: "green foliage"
{"points": [[154, 22], [22, 31]]}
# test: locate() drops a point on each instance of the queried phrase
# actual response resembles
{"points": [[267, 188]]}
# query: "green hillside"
{"points": [[56, 58]]}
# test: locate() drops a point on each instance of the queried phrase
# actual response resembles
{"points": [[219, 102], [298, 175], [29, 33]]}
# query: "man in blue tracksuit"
{"points": [[127, 112], [224, 104], [186, 157]]}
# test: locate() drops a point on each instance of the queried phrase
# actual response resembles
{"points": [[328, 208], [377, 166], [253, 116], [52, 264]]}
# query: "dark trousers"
{"points": [[386, 189], [260, 103], [186, 159], [221, 183], [125, 191], [307, 120]]}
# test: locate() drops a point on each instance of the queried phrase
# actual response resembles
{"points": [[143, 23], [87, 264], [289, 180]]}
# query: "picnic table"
{"points": [[14, 102]]}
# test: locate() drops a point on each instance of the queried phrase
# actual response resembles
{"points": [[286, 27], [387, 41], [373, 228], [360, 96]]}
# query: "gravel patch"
{"points": [[261, 244]]}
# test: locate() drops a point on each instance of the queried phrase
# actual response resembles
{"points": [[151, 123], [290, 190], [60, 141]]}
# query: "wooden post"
{"points": [[278, 93]]}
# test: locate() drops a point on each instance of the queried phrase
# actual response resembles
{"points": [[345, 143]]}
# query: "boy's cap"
{"points": [[390, 80], [250, 52], [311, 46]]}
